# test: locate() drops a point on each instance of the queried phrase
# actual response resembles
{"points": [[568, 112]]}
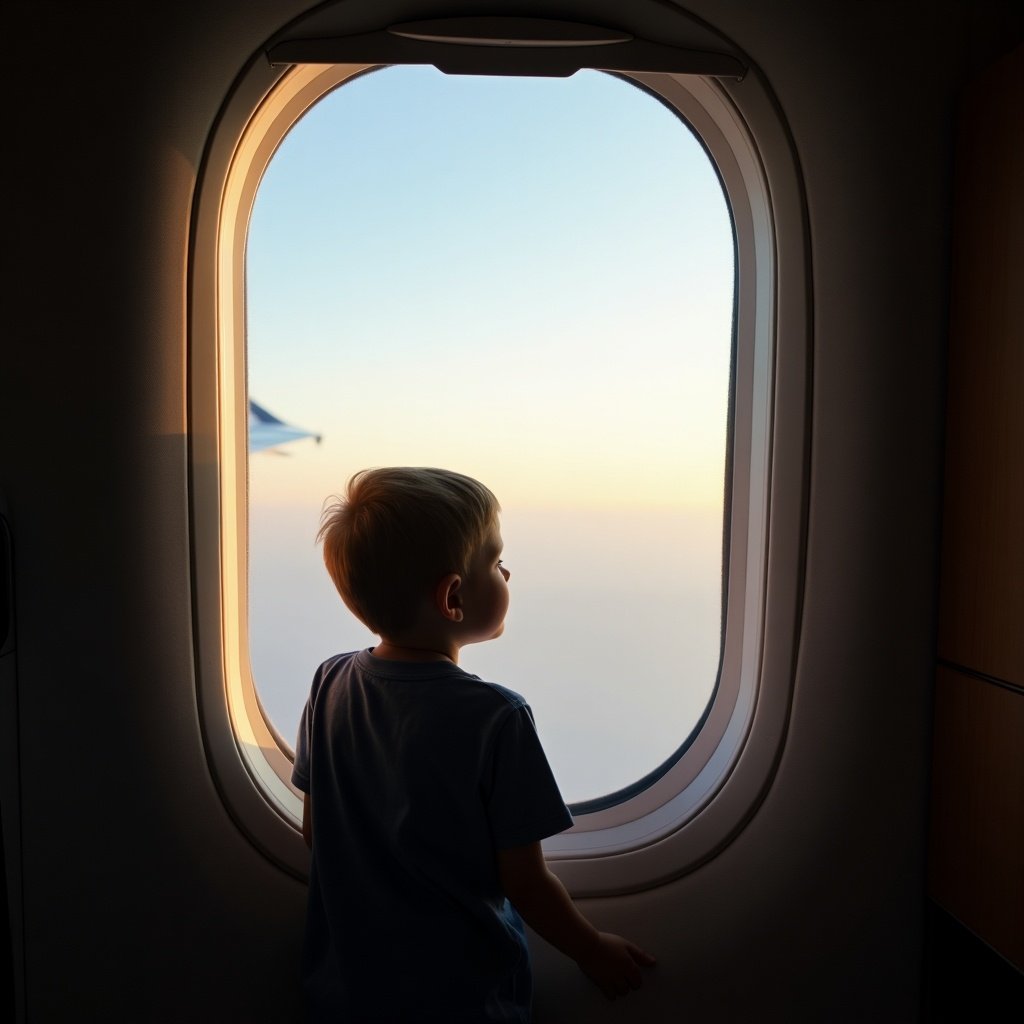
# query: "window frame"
{"points": [[703, 798]]}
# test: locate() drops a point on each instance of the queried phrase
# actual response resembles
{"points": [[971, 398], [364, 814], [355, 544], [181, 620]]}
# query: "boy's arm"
{"points": [[610, 961], [307, 821]]}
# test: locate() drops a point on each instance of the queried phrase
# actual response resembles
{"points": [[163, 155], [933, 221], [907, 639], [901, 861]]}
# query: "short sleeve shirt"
{"points": [[417, 773]]}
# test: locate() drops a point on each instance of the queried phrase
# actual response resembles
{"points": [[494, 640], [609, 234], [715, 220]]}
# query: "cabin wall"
{"points": [[976, 848], [141, 899]]}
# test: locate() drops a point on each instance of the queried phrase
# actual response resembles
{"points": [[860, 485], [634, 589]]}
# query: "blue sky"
{"points": [[551, 257]]}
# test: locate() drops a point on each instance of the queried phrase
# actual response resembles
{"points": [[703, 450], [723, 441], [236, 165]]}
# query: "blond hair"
{"points": [[396, 533]]}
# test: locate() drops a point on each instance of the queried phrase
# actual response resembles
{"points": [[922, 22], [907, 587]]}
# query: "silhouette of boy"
{"points": [[427, 789]]}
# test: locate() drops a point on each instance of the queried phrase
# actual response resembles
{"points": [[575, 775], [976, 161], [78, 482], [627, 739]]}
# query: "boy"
{"points": [[427, 790]]}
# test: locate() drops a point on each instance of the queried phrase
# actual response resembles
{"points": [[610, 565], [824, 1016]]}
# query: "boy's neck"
{"points": [[393, 651]]}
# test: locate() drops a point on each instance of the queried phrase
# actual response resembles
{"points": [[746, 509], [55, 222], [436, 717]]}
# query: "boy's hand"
{"points": [[613, 964]]}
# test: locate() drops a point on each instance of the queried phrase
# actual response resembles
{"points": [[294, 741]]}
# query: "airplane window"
{"points": [[530, 281], [592, 293]]}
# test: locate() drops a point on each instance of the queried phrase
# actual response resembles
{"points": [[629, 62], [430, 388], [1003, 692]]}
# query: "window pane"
{"points": [[530, 281]]}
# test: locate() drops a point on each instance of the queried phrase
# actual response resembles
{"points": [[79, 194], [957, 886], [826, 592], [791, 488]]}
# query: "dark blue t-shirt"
{"points": [[418, 772]]}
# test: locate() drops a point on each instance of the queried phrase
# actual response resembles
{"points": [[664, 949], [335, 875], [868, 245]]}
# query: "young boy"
{"points": [[427, 791]]}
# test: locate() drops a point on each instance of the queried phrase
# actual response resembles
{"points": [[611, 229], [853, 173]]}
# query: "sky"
{"points": [[529, 281]]}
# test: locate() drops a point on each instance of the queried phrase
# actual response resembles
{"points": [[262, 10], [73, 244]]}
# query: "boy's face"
{"points": [[485, 591]]}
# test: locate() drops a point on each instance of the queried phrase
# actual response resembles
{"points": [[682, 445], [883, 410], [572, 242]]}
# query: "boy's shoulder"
{"points": [[515, 700], [362, 665]]}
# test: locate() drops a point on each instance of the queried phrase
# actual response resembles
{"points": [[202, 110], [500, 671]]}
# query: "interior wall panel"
{"points": [[977, 824], [982, 595], [976, 845]]}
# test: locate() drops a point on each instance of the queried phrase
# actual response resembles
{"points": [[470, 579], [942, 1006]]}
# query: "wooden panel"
{"points": [[982, 597], [976, 845]]}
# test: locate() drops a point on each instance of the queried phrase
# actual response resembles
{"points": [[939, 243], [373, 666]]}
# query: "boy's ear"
{"points": [[448, 597]]}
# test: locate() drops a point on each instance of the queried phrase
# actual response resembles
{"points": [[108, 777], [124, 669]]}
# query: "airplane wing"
{"points": [[267, 431]]}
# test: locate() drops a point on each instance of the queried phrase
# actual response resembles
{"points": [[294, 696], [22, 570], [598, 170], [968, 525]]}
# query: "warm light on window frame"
{"points": [[702, 800]]}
